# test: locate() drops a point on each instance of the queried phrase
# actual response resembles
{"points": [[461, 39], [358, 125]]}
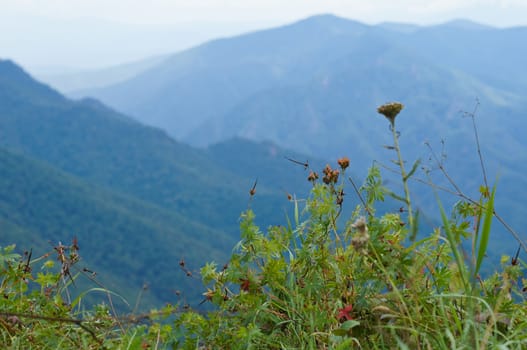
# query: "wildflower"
{"points": [[390, 110], [327, 170], [335, 175], [344, 313], [330, 175], [245, 284], [344, 162], [312, 176]]}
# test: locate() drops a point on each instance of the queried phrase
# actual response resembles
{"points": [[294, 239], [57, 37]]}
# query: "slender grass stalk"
{"points": [[485, 232], [453, 246]]}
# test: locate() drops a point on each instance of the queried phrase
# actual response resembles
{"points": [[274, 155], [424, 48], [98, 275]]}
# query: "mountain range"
{"points": [[314, 85], [292, 85], [137, 200]]}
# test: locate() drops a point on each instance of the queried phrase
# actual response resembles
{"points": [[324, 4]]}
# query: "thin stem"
{"points": [[473, 117], [404, 177], [360, 196], [460, 194]]}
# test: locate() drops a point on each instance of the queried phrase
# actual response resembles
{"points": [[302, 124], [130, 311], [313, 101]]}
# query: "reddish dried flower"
{"points": [[312, 176], [344, 162], [245, 284], [335, 176], [344, 313], [327, 170], [330, 175]]}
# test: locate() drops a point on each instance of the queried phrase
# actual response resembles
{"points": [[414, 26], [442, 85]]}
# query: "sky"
{"points": [[71, 35]]}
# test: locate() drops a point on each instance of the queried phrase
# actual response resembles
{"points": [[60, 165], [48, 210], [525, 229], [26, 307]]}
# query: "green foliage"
{"points": [[322, 282], [318, 285]]}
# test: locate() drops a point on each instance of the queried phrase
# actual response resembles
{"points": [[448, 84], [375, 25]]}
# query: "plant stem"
{"points": [[404, 178]]}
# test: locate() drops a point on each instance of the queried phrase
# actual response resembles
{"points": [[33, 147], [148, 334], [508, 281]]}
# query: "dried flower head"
{"points": [[313, 176], [344, 162], [245, 284], [327, 170], [335, 175], [330, 175], [390, 110]]}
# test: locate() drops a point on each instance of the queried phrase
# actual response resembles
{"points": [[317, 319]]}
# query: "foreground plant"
{"points": [[322, 284]]}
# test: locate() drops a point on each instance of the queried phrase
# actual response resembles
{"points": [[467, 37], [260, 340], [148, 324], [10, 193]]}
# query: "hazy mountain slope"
{"points": [[88, 140], [126, 241], [336, 109], [267, 162], [190, 89], [335, 115], [203, 82], [492, 55]]}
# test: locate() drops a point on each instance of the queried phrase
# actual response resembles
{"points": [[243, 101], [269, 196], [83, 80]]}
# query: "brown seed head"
{"points": [[335, 176], [344, 162], [312, 176], [327, 170], [390, 110]]}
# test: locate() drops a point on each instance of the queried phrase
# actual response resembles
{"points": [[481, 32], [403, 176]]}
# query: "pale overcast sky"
{"points": [[94, 33]]}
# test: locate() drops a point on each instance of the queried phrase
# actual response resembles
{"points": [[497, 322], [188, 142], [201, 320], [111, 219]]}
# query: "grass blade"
{"points": [[485, 231]]}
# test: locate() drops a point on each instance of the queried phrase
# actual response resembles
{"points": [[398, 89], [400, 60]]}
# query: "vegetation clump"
{"points": [[323, 281]]}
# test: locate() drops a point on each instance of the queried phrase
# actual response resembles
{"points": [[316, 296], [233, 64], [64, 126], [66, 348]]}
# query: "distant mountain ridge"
{"points": [[314, 85], [177, 94]]}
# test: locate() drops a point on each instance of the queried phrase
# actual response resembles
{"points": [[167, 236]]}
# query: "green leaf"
{"points": [[393, 195], [414, 168], [349, 324], [485, 231], [452, 242]]}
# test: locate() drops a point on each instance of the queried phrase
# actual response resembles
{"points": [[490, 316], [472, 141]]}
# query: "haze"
{"points": [[65, 35]]}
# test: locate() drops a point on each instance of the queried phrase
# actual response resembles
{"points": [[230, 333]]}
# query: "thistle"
{"points": [[390, 111]]}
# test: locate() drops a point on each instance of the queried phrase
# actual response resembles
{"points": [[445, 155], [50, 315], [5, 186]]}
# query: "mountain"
{"points": [[313, 86], [127, 242], [137, 200], [201, 83], [212, 82], [90, 141]]}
